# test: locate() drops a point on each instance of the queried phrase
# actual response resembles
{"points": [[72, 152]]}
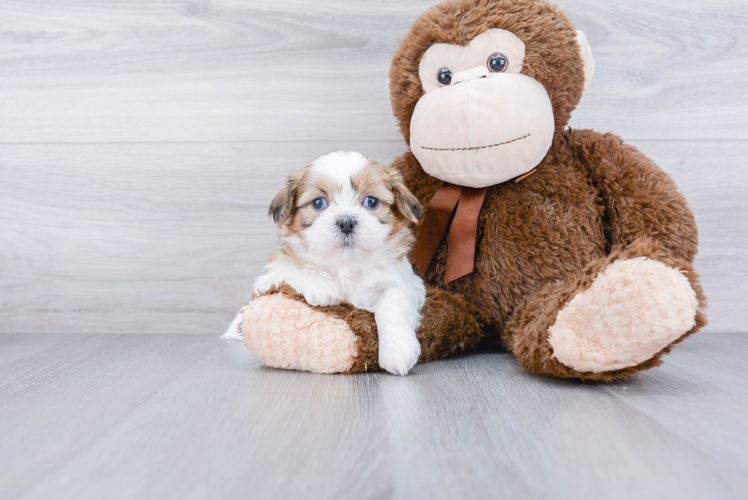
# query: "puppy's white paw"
{"points": [[323, 293], [399, 353]]}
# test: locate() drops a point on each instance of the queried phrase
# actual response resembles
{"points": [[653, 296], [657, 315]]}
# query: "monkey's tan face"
{"points": [[481, 122]]}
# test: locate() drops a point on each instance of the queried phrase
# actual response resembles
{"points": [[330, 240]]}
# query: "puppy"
{"points": [[345, 230]]}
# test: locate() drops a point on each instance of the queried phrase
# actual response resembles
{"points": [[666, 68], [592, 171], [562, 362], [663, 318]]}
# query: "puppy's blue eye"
{"points": [[371, 202], [320, 204]]}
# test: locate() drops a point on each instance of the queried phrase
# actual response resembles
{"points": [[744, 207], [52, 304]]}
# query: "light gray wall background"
{"points": [[141, 141]]}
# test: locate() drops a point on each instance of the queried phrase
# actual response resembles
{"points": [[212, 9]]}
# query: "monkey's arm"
{"points": [[284, 331], [641, 201]]}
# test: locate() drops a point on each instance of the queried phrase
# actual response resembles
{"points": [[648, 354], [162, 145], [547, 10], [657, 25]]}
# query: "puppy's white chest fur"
{"points": [[361, 287], [365, 286]]}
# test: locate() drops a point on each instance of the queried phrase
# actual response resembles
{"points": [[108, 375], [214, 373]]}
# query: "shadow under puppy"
{"points": [[345, 231]]}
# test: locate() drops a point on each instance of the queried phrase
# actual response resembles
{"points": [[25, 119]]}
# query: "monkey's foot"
{"points": [[633, 310], [283, 331]]}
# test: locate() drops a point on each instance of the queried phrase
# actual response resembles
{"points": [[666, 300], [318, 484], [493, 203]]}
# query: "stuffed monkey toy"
{"points": [[569, 248]]}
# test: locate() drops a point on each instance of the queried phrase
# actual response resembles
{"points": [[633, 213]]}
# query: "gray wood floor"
{"points": [[186, 416]]}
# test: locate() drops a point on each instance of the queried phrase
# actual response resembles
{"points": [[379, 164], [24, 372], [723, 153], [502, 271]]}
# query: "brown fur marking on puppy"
{"points": [[387, 185], [405, 202], [284, 202], [374, 180], [398, 207], [314, 185]]}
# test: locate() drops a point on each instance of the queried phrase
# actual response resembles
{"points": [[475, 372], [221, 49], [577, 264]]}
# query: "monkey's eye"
{"points": [[320, 203], [371, 202], [444, 76], [498, 63]]}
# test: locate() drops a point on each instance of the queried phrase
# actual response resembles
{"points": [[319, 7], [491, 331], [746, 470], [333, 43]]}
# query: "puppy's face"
{"points": [[345, 205]]}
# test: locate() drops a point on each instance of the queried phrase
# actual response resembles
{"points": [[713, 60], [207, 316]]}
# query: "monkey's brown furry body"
{"points": [[593, 202]]}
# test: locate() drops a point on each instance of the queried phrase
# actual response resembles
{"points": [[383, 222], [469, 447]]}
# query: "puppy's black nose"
{"points": [[346, 225]]}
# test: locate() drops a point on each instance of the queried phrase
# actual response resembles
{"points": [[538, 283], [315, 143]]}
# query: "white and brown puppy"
{"points": [[345, 230]]}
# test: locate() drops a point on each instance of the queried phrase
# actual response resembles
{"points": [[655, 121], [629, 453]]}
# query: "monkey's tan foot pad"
{"points": [[288, 333], [632, 311]]}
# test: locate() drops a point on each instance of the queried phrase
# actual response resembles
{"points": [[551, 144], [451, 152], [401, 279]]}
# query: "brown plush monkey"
{"points": [[582, 269]]}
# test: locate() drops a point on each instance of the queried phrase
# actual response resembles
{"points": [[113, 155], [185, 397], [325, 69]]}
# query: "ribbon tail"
{"points": [[463, 234], [434, 225]]}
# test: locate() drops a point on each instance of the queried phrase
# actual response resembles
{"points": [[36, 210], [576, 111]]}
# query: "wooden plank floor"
{"points": [[185, 416]]}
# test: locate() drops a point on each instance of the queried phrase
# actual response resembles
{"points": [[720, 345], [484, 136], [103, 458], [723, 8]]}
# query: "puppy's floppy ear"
{"points": [[285, 200], [406, 203]]}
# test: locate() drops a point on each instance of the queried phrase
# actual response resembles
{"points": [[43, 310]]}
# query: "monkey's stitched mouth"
{"points": [[477, 147]]}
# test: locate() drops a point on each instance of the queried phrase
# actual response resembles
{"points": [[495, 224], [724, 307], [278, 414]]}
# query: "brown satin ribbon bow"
{"points": [[462, 234]]}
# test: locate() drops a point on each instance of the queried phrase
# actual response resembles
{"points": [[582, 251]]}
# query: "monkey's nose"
{"points": [[470, 74], [346, 224]]}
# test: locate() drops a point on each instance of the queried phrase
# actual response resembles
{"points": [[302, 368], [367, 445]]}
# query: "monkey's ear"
{"points": [[406, 203], [285, 200], [587, 60]]}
